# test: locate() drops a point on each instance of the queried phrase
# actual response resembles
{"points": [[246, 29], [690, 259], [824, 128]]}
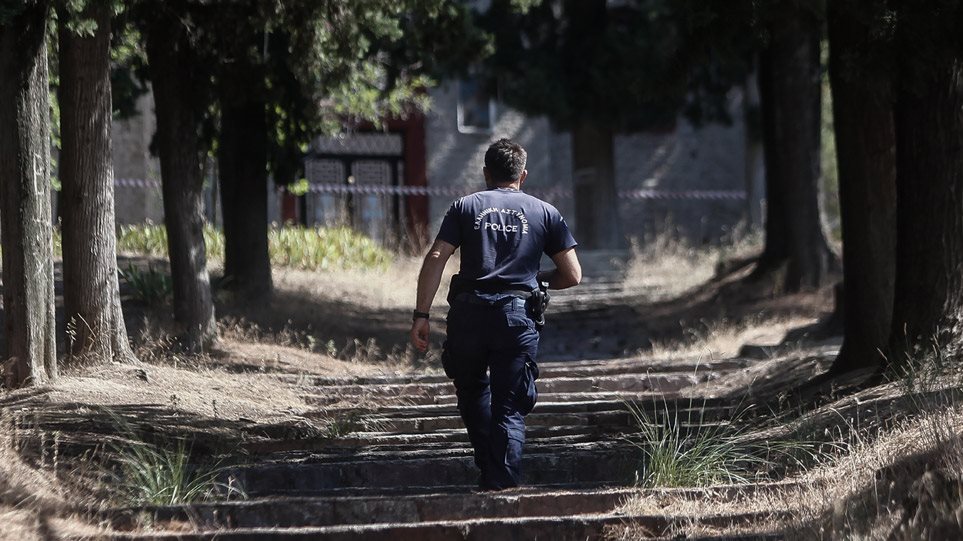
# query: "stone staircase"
{"points": [[406, 472]]}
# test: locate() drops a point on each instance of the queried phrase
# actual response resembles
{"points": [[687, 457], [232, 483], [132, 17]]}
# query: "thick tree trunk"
{"points": [[95, 321], [176, 75], [754, 170], [242, 165], [791, 95], [596, 197], [928, 304], [866, 145], [25, 220], [776, 248]]}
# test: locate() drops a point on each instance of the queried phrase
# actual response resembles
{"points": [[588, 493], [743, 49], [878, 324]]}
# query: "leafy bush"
{"points": [[150, 286], [305, 248]]}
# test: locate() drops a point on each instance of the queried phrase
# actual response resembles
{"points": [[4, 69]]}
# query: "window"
{"points": [[476, 108]]}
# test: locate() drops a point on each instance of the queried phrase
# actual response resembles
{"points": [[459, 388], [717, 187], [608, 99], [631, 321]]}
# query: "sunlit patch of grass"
{"points": [[297, 247], [681, 448], [154, 475], [324, 248]]}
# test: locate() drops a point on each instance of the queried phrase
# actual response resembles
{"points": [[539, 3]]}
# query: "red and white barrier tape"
{"points": [[458, 191]]}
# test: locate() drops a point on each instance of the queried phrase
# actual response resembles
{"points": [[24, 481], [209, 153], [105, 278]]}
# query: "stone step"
{"points": [[611, 464], [550, 369], [292, 512], [455, 436], [427, 451], [623, 382], [552, 402], [556, 528], [431, 423], [334, 510], [446, 402]]}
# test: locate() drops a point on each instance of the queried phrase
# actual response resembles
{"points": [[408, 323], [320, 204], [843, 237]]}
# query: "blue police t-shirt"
{"points": [[502, 234]]}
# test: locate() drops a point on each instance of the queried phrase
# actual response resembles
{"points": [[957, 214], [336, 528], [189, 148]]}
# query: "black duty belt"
{"points": [[471, 297]]}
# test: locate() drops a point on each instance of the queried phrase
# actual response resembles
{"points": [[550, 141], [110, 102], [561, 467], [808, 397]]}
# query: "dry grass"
{"points": [[666, 267], [34, 504], [723, 339], [896, 478], [391, 287]]}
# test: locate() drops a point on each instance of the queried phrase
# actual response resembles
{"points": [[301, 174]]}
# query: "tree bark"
{"points": [[178, 77], [95, 321], [791, 95], [242, 165], [928, 304], [866, 158], [25, 205], [776, 247], [596, 197]]}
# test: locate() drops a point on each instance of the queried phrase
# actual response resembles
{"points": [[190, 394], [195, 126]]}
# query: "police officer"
{"points": [[492, 334]]}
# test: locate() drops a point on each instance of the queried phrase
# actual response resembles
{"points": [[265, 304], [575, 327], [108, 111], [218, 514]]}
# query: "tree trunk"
{"points": [[596, 198], [754, 160], [866, 145], [178, 77], [791, 129], [776, 248], [928, 304], [25, 213], [95, 321], [242, 165]]}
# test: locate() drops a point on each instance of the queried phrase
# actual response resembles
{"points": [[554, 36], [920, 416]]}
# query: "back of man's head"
{"points": [[505, 161]]}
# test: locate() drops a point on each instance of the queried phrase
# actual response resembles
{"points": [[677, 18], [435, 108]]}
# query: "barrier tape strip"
{"points": [[458, 191]]}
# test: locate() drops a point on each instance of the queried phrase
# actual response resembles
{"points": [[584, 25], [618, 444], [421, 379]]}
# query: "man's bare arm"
{"points": [[428, 281], [567, 271], [430, 276]]}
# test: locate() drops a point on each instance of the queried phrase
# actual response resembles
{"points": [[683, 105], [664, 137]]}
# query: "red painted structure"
{"points": [[415, 157]]}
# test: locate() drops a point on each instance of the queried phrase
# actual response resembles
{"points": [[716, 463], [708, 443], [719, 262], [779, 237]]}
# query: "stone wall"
{"points": [[133, 160], [708, 158]]}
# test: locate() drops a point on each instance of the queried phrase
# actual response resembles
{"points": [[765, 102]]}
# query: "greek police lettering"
{"points": [[481, 216], [502, 228], [517, 215]]}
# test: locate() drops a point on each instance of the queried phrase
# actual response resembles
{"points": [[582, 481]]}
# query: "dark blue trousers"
{"points": [[490, 354]]}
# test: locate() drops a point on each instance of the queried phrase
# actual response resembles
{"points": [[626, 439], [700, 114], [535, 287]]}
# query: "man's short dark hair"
{"points": [[505, 161]]}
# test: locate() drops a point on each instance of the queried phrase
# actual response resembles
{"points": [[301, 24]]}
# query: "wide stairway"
{"points": [[398, 465], [403, 470]]}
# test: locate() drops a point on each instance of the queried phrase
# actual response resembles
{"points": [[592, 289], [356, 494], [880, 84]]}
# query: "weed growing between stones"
{"points": [[145, 473], [149, 474], [686, 451], [686, 447]]}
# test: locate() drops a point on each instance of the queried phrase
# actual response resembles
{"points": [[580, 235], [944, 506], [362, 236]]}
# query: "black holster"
{"points": [[540, 299]]}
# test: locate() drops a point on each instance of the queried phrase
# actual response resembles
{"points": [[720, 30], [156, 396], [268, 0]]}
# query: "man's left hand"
{"points": [[420, 329]]}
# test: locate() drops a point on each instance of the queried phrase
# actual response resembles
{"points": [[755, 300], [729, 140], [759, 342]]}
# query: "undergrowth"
{"points": [[289, 246], [149, 285]]}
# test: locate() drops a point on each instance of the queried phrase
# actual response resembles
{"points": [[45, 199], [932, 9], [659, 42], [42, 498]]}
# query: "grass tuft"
{"points": [[685, 450], [155, 475]]}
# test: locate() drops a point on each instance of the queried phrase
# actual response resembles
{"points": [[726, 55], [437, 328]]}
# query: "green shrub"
{"points": [[150, 286], [300, 247]]}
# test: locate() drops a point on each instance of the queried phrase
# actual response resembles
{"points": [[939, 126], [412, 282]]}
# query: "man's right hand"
{"points": [[420, 329]]}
